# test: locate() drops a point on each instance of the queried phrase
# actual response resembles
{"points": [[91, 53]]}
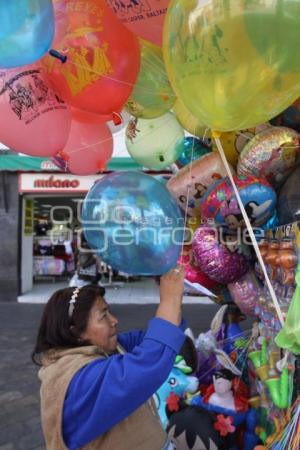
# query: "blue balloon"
{"points": [[133, 223], [26, 31], [192, 146]]}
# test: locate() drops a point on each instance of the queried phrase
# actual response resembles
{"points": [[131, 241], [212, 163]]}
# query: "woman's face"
{"points": [[101, 329]]}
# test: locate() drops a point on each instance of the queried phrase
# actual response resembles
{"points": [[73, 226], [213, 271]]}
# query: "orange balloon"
{"points": [[145, 18], [103, 57]]}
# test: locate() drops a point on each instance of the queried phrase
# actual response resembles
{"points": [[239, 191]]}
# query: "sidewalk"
{"points": [[19, 400], [140, 292]]}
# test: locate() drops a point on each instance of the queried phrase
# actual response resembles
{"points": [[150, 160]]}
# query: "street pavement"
{"points": [[20, 427]]}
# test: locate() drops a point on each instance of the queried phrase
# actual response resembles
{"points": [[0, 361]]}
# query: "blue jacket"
{"points": [[106, 391]]}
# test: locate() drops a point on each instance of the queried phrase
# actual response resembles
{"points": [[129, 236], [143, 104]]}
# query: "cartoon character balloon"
{"points": [[219, 202], [102, 57], [215, 259], [35, 120], [155, 143], [195, 179], [231, 83], [272, 155], [134, 224], [145, 18], [88, 149], [27, 31]]}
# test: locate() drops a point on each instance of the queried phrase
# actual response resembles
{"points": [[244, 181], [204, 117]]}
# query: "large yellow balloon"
{"points": [[234, 64], [152, 95], [189, 122]]}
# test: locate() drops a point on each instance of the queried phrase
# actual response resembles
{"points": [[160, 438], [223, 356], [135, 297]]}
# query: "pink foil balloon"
{"points": [[35, 121], [88, 149], [245, 292], [216, 260]]}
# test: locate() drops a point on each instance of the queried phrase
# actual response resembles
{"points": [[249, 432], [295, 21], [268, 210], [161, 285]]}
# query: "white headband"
{"points": [[73, 301]]}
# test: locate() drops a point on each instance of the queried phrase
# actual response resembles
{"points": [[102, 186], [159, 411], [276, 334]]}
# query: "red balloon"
{"points": [[87, 117], [192, 271], [143, 17], [103, 57], [88, 150], [34, 120], [194, 275]]}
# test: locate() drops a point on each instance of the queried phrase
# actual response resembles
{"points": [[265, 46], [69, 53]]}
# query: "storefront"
{"points": [[40, 220], [51, 227]]}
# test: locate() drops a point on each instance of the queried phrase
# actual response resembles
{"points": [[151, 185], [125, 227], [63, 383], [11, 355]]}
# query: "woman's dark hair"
{"points": [[56, 329]]}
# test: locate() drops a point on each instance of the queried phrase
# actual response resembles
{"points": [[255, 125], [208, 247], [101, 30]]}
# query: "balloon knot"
{"points": [[216, 134], [101, 166], [58, 55], [117, 118]]}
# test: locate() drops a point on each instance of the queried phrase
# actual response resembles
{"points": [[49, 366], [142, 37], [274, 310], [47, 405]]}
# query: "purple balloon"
{"points": [[245, 292], [216, 260]]}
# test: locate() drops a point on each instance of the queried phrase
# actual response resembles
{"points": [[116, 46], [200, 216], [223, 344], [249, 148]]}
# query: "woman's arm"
{"points": [[107, 391]]}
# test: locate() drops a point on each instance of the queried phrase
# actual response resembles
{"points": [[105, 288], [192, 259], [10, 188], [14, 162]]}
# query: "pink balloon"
{"points": [[145, 18], [218, 261], [35, 121], [88, 149], [245, 292]]}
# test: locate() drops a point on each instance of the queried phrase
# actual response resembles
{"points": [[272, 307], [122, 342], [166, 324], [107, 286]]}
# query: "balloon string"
{"points": [[127, 83], [250, 230], [105, 140], [188, 193]]}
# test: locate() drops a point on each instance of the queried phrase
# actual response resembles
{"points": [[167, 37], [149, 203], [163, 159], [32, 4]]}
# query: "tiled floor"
{"points": [[138, 292]]}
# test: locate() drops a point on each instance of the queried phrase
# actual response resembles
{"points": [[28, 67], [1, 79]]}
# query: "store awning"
{"points": [[23, 163]]}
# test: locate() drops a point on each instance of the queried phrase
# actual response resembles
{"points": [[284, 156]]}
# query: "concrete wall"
{"points": [[9, 241]]}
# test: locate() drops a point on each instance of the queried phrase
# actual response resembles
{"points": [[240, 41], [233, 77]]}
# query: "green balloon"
{"points": [[152, 95], [155, 143]]}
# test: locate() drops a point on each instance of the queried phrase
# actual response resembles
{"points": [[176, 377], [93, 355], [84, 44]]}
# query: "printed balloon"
{"points": [[194, 179], [134, 224], [27, 31], [219, 202], [35, 121], [145, 18], [272, 155], [103, 57], [233, 63], [155, 143]]}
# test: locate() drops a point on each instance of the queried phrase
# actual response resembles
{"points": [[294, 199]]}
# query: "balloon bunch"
{"points": [[67, 68]]}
